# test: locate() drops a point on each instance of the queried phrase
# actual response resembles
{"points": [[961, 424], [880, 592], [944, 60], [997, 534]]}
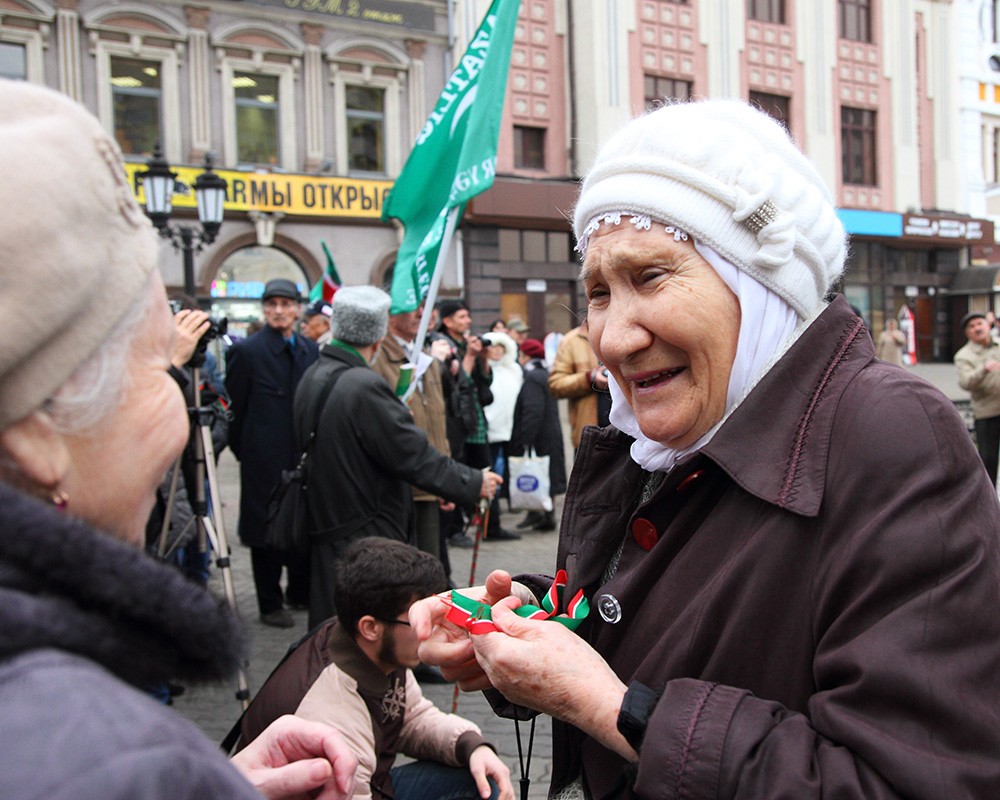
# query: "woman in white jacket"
{"points": [[507, 379]]}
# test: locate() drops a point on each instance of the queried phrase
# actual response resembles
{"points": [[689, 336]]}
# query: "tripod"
{"points": [[202, 467]]}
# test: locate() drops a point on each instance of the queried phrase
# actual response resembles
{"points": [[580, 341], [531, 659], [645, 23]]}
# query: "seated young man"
{"points": [[354, 673]]}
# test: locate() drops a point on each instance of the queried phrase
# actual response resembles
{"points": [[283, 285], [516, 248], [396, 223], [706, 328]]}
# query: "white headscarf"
{"points": [[767, 328]]}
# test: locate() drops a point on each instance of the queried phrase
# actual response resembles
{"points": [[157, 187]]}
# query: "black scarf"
{"points": [[67, 586]]}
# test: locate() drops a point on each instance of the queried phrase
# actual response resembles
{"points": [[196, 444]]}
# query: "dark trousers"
{"points": [[267, 564], [430, 780], [427, 524], [988, 444]]}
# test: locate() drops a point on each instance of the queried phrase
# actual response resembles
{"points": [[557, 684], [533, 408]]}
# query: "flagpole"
{"points": [[432, 291]]}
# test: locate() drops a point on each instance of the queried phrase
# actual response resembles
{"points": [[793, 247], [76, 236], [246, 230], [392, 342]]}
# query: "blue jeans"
{"points": [[430, 780]]}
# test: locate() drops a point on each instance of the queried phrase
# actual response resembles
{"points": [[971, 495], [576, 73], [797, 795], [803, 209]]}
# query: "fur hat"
{"points": [[70, 222], [730, 176], [360, 315]]}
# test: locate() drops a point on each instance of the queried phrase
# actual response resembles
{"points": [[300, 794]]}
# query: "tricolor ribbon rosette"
{"points": [[476, 617]]}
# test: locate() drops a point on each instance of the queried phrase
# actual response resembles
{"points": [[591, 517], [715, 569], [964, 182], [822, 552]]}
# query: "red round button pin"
{"points": [[645, 534]]}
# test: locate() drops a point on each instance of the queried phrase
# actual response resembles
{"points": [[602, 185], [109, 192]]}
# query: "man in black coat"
{"points": [[536, 423], [262, 374], [367, 449]]}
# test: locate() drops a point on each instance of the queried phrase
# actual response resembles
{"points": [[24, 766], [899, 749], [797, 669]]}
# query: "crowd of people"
{"points": [[789, 546]]}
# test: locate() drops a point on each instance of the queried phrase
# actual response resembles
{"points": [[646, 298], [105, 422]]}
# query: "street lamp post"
{"points": [[161, 183]]}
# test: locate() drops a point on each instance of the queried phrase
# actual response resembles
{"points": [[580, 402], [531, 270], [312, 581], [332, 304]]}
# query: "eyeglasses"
{"points": [[393, 621]]}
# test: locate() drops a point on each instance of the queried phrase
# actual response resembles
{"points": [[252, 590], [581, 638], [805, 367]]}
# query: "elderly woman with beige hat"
{"points": [[789, 547], [90, 420]]}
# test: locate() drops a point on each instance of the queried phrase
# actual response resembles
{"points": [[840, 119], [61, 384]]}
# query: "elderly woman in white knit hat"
{"points": [[90, 419], [789, 548]]}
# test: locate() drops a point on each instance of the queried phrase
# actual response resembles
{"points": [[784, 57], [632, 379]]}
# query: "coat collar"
{"points": [[67, 586], [785, 463], [340, 354]]}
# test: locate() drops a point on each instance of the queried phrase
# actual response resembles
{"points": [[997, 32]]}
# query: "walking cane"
{"points": [[481, 521]]}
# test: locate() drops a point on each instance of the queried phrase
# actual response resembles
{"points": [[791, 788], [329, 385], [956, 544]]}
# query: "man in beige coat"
{"points": [[426, 403], [978, 364], [576, 375]]}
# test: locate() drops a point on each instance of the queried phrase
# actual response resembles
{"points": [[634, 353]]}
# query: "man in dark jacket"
{"points": [[536, 424], [261, 377], [367, 448]]}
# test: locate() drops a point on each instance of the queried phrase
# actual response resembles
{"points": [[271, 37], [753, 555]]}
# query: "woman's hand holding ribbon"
{"points": [[547, 667], [447, 645]]}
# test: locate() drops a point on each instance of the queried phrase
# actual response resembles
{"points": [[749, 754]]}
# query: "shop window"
{"points": [[855, 20], [766, 11], [656, 90], [365, 113], [857, 145], [13, 61], [136, 104], [775, 106], [529, 147], [256, 100]]}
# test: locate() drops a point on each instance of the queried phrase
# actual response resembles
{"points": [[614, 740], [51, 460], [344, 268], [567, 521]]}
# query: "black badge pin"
{"points": [[609, 608]]}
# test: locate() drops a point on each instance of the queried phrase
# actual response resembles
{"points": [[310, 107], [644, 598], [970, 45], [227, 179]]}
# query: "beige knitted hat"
{"points": [[75, 248], [729, 175]]}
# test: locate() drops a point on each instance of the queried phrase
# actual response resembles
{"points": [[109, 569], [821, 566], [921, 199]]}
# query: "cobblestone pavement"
{"points": [[214, 709]]}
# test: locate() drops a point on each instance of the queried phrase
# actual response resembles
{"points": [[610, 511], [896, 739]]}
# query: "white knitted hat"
{"points": [[730, 176], [360, 315]]}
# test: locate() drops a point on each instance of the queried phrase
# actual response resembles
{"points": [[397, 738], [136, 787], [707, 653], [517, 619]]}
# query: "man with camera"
{"points": [[262, 375], [467, 377]]}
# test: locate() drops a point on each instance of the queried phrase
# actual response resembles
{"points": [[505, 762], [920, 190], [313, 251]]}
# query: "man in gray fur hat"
{"points": [[367, 449]]}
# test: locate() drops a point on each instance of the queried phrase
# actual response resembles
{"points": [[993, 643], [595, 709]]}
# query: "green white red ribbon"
{"points": [[476, 616]]}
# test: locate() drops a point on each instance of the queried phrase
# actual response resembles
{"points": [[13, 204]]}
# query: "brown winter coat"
{"points": [[570, 378], [820, 607]]}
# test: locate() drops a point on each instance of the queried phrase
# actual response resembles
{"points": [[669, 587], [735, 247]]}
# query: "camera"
{"points": [[217, 327]]}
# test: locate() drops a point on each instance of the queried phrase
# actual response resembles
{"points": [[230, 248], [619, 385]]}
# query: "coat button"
{"points": [[645, 534], [688, 482]]}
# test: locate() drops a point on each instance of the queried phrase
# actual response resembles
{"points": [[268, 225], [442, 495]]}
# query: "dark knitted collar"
{"points": [[67, 586]]}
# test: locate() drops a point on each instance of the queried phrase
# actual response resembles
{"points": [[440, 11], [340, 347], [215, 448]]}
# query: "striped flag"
{"points": [[326, 286]]}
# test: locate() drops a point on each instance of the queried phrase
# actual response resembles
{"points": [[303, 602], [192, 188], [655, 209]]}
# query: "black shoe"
{"points": [[278, 619], [531, 519], [460, 540], [502, 535], [175, 689], [424, 673], [547, 522]]}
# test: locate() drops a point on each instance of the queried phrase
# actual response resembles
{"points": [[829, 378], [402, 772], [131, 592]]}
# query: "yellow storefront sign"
{"points": [[306, 195]]}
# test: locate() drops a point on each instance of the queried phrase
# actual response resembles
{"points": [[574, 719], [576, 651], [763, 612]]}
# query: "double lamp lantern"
{"points": [[160, 184]]}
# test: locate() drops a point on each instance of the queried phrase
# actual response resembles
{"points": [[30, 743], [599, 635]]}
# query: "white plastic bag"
{"points": [[529, 482]]}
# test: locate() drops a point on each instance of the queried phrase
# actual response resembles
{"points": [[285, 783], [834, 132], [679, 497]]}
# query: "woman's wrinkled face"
{"points": [[116, 467], [665, 325]]}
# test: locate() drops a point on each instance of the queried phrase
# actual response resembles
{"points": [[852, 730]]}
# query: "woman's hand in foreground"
{"points": [[446, 645], [295, 757], [484, 764], [543, 665]]}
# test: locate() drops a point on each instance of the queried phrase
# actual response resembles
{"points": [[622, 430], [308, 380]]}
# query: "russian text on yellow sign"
{"points": [[308, 195]]}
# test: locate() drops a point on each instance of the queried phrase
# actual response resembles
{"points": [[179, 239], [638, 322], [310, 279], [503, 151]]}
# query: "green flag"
{"points": [[326, 286], [455, 155]]}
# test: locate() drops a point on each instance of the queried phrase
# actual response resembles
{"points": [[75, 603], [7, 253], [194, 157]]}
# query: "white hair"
{"points": [[98, 386]]}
